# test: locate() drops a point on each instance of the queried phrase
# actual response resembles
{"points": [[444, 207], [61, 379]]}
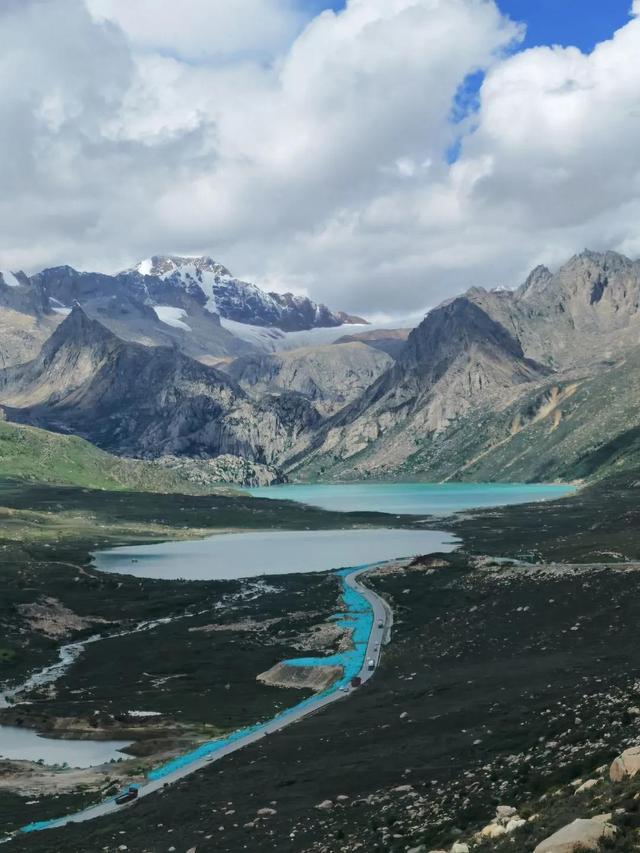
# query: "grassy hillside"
{"points": [[27, 453]]}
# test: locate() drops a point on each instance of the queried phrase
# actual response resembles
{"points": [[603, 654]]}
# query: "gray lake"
{"points": [[242, 555], [26, 745]]}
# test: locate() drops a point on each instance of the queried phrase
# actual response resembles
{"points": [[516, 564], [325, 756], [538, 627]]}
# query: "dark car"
{"points": [[127, 796]]}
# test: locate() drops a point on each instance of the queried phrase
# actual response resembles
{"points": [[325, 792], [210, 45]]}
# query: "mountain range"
{"points": [[537, 383], [194, 304]]}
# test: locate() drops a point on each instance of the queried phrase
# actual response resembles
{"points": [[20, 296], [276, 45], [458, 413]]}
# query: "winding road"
{"points": [[379, 635]]}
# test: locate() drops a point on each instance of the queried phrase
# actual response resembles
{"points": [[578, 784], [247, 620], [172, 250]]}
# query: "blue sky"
{"points": [[582, 23]]}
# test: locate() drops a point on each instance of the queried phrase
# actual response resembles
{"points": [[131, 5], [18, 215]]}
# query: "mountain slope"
{"points": [[457, 359], [469, 397], [26, 320], [143, 401], [27, 453], [329, 376], [176, 318]]}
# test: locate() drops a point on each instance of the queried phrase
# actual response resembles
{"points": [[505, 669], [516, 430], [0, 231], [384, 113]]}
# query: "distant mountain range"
{"points": [[537, 383], [162, 301]]}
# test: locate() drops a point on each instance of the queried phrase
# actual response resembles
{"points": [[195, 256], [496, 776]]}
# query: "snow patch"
{"points": [[270, 339], [145, 267], [9, 278], [61, 310], [267, 338], [171, 316]]}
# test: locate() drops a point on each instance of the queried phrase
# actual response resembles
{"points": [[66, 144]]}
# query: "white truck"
{"points": [[371, 664]]}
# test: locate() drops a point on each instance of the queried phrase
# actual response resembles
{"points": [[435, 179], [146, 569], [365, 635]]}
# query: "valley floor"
{"points": [[504, 682]]}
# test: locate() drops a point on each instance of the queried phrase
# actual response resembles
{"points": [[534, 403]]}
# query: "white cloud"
{"points": [[204, 29], [311, 157]]}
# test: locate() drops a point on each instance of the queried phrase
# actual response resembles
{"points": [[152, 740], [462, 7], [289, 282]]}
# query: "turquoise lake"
{"points": [[412, 498]]}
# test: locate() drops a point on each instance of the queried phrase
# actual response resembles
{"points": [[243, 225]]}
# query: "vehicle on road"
{"points": [[371, 665], [127, 796], [380, 623]]}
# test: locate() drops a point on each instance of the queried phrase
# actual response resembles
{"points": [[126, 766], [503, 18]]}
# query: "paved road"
{"points": [[378, 636]]}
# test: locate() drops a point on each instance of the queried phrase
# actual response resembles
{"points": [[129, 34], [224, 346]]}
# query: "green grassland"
{"points": [[37, 455]]}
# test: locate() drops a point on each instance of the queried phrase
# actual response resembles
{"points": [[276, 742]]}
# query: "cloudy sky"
{"points": [[379, 155]]}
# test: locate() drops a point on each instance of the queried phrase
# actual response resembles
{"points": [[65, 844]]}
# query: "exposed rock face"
{"points": [[213, 286], [586, 312], [329, 376], [143, 401], [223, 469], [26, 320], [580, 835], [316, 678], [625, 765]]}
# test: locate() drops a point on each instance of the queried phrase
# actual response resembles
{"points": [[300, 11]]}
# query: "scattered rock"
{"points": [[581, 835], [515, 823], [493, 830], [460, 847], [266, 812], [325, 805]]}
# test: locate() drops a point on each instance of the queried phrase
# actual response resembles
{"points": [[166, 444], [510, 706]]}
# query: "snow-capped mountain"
{"points": [[217, 290]]}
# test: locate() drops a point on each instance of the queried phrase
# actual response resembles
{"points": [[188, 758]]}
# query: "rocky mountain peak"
{"points": [[218, 291], [535, 283], [451, 329], [163, 266], [78, 331]]}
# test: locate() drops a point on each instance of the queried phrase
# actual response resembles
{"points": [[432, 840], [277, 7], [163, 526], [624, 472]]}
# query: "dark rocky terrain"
{"points": [[506, 685]]}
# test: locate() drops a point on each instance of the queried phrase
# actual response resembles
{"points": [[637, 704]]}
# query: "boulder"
{"points": [[586, 786], [460, 847], [505, 811], [325, 805], [581, 835], [493, 830], [627, 764], [515, 823], [266, 812]]}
